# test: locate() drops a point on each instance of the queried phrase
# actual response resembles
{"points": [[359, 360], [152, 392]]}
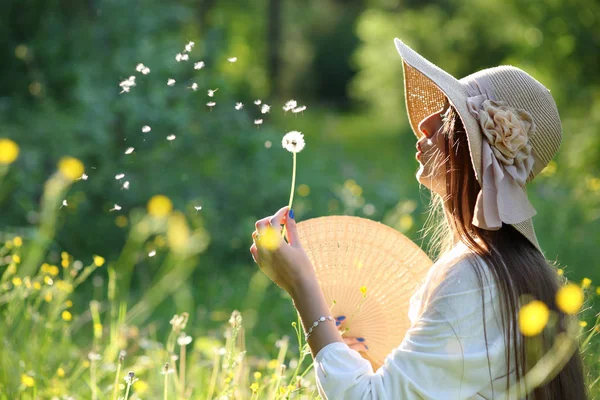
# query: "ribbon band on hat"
{"points": [[506, 157]]}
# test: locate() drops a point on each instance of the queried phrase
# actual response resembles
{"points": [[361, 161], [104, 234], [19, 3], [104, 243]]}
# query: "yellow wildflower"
{"points": [[140, 387], [65, 263], [53, 270], [17, 241], [16, 258], [27, 380], [69, 303], [12, 268], [598, 290], [570, 298], [160, 206], [533, 317], [99, 261], [37, 285], [178, 233], [9, 245], [86, 364], [45, 267], [48, 297], [67, 316], [560, 272], [27, 282], [64, 254], [582, 324], [272, 364], [16, 281], [269, 238], [586, 283], [60, 372], [48, 281], [254, 387], [363, 290], [257, 375], [98, 330], [71, 168]]}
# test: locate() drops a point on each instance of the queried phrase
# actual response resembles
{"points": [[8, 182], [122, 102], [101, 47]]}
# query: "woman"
{"points": [[481, 139]]}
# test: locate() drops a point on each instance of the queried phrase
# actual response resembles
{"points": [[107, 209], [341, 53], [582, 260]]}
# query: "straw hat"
{"points": [[350, 253], [512, 125]]}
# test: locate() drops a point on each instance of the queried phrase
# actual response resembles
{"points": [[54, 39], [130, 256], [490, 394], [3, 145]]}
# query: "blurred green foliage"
{"points": [[63, 61]]}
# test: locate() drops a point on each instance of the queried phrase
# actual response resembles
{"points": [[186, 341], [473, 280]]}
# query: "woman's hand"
{"points": [[286, 264], [358, 344]]}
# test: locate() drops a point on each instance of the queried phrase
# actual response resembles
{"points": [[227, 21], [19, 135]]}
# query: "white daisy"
{"points": [[293, 142], [171, 82], [239, 106], [199, 65]]}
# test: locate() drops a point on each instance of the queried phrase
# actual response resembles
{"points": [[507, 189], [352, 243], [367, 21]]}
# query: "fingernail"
{"points": [[337, 323], [291, 213], [341, 318], [366, 347], [360, 339]]}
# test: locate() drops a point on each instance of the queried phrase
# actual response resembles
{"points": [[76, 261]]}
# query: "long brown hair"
{"points": [[518, 268]]}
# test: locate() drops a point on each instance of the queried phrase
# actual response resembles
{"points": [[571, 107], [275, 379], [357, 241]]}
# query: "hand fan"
{"points": [[352, 252]]}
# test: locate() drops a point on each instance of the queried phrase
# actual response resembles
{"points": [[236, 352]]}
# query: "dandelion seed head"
{"points": [[199, 65], [265, 108], [268, 144], [130, 378], [171, 82], [257, 102], [239, 106], [289, 105], [129, 150], [232, 59], [71, 168], [146, 129], [183, 339], [119, 176], [94, 356], [293, 142], [167, 369]]}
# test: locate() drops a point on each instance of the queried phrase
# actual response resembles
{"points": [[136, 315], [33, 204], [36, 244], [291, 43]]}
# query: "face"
{"points": [[431, 157]]}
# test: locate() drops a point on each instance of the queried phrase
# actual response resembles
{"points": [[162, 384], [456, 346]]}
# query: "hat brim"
{"points": [[425, 85]]}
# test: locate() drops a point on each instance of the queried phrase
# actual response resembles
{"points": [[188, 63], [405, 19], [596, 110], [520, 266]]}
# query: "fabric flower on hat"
{"points": [[507, 130]]}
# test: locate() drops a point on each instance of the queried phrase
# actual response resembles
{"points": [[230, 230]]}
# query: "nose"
{"points": [[429, 125]]}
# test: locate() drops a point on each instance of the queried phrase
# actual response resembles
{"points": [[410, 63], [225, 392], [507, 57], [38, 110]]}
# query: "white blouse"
{"points": [[443, 354]]}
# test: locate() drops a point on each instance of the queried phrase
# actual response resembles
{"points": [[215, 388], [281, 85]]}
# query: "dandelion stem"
{"points": [[127, 391], [93, 378], [181, 371], [166, 386], [292, 189]]}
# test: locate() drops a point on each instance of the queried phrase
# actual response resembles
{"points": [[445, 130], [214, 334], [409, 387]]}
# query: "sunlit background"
{"points": [[65, 90]]}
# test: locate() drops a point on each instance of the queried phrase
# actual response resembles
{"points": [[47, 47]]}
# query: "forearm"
{"points": [[310, 302]]}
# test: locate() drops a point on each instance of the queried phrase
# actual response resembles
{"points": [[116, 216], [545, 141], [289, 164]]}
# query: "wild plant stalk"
{"points": [[166, 369], [93, 379], [214, 375], [181, 371], [116, 385]]}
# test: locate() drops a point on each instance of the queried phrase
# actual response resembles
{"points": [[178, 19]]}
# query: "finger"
{"points": [[359, 347], [291, 230], [340, 321], [262, 223], [278, 218], [254, 252], [353, 340]]}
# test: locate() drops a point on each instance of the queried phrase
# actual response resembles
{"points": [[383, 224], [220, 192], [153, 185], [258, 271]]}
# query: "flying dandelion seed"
{"points": [[116, 208], [199, 65], [139, 67], [299, 110], [126, 185], [171, 137], [127, 84], [257, 102], [194, 86], [189, 46], [293, 142], [129, 150], [152, 253], [64, 204], [197, 208], [232, 59], [171, 82], [268, 144], [181, 57], [146, 71], [211, 93], [265, 108], [125, 90], [184, 340], [83, 177], [239, 106], [119, 176], [290, 105], [146, 129], [258, 122], [211, 104]]}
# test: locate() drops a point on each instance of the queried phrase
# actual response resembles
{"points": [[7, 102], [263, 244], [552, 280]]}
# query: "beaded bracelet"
{"points": [[314, 325]]}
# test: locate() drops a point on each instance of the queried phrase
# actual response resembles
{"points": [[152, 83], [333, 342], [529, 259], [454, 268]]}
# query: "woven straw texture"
{"points": [[426, 85], [351, 252]]}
